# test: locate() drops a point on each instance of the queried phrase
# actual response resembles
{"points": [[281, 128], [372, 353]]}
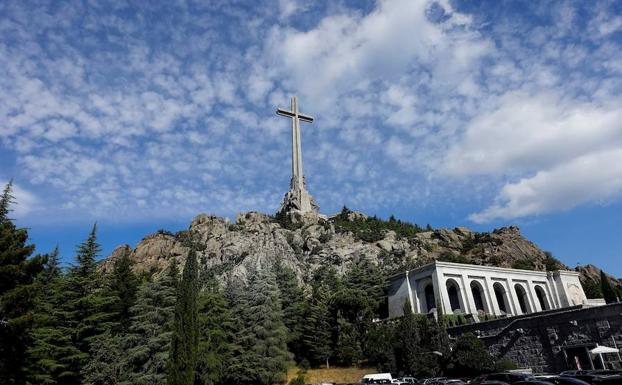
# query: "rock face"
{"points": [[257, 241]]}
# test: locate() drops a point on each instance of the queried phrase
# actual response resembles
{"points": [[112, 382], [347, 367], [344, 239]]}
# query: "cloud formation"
{"points": [[163, 110]]}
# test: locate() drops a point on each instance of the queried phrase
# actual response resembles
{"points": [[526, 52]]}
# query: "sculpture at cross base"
{"points": [[297, 199]]}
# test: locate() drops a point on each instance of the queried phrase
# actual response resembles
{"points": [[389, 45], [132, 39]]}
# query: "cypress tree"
{"points": [[216, 333], [410, 358], [17, 293], [150, 332], [182, 360], [608, 291]]}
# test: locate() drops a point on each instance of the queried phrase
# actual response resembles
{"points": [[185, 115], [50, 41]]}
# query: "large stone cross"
{"points": [[297, 174], [297, 198]]}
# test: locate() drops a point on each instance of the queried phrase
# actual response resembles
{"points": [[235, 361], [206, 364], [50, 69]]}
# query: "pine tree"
{"points": [[89, 304], [216, 333], [264, 318], [182, 360], [293, 304], [150, 332], [348, 348], [241, 370], [609, 292], [51, 353], [124, 285], [317, 331], [379, 347], [6, 200], [17, 293], [107, 364]]}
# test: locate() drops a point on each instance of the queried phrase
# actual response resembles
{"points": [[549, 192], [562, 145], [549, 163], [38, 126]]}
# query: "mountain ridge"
{"points": [[305, 243]]}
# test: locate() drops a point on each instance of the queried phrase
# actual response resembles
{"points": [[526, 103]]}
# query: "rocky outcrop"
{"points": [[257, 240]]}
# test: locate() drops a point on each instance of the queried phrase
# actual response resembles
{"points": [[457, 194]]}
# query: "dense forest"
{"points": [[77, 325]]}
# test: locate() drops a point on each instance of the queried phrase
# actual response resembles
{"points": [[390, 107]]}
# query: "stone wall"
{"points": [[548, 342]]}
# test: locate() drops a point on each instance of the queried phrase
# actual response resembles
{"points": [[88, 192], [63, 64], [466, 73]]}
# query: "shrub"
{"points": [[523, 264], [298, 380], [505, 364]]}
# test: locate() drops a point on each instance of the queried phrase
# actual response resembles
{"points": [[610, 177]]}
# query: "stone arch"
{"points": [[430, 298], [521, 296], [455, 298], [502, 298], [542, 299], [477, 292]]}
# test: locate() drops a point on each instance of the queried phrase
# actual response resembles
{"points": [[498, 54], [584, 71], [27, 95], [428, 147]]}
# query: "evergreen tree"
{"points": [[470, 357], [6, 200], [379, 347], [609, 292], [293, 304], [241, 368], [50, 356], [107, 364], [89, 304], [150, 333], [124, 285], [215, 336], [410, 358], [184, 342], [17, 293], [317, 330], [348, 348], [264, 318]]}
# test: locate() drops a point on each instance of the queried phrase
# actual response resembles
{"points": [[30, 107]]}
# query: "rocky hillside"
{"points": [[258, 240]]}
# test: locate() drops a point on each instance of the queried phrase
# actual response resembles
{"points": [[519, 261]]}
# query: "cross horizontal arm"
{"points": [[304, 118]]}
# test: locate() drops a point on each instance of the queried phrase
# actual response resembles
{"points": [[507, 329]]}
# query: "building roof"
{"points": [[435, 264]]}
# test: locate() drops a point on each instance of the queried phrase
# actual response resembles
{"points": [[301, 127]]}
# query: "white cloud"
{"points": [[349, 51], [528, 132], [25, 201], [589, 178]]}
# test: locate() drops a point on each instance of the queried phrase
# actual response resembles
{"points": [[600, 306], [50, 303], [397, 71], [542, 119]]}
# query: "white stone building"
{"points": [[472, 289]]}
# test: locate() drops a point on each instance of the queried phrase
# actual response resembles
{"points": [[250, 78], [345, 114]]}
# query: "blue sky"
{"points": [[140, 115]]}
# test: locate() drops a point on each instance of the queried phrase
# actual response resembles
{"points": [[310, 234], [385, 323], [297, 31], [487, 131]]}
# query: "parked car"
{"points": [[429, 381], [615, 379], [562, 380], [509, 378], [494, 382], [533, 382], [409, 380], [454, 382], [591, 376]]}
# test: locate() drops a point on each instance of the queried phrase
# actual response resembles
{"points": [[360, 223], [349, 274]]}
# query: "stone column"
{"points": [[555, 301], [440, 293], [531, 291], [511, 294], [468, 294], [411, 300], [491, 299]]}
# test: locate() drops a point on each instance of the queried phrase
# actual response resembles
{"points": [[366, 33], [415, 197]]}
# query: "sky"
{"points": [[141, 115]]}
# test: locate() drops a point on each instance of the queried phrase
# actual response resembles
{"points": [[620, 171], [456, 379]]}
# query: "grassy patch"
{"points": [[335, 375]]}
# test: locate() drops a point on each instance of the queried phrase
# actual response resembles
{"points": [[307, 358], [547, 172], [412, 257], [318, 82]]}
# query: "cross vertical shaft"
{"points": [[297, 198]]}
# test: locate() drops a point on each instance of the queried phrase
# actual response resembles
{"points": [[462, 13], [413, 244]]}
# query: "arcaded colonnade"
{"points": [[473, 289]]}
